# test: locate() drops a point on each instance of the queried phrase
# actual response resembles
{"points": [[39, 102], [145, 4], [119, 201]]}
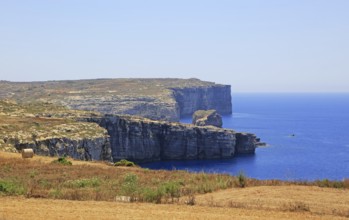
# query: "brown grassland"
{"points": [[36, 188]]}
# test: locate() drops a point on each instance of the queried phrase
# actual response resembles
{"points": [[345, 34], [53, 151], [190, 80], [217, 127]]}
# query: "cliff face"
{"points": [[146, 140], [158, 99], [216, 97], [148, 107], [83, 149], [246, 143]]}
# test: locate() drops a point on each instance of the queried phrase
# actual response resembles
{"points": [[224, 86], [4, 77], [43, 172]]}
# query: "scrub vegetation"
{"points": [[39, 177], [34, 178]]}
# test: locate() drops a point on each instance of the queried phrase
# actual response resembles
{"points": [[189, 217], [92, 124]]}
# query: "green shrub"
{"points": [[153, 195], [63, 161], [330, 184], [125, 163], [241, 180], [172, 189], [129, 186], [55, 193], [9, 187]]}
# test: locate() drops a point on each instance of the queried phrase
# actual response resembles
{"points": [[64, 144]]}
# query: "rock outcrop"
{"points": [[81, 149], [206, 118], [143, 140], [246, 143]]}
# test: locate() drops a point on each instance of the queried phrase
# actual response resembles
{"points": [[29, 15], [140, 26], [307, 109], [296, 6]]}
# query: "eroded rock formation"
{"points": [[208, 117]]}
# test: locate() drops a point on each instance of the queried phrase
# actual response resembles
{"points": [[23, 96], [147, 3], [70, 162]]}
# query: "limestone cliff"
{"points": [[159, 99], [147, 140], [57, 130], [82, 149], [191, 99], [247, 143]]}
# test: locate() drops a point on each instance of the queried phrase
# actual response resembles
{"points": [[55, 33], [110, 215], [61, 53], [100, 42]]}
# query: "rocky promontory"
{"points": [[158, 99], [56, 131], [104, 119]]}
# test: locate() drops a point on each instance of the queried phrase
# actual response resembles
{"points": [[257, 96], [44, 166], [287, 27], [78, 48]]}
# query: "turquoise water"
{"points": [[307, 136]]}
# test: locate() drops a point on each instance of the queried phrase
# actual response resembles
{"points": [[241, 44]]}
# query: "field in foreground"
{"points": [[20, 208], [47, 191]]}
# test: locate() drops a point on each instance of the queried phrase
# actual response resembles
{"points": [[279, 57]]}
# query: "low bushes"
{"points": [[107, 183], [63, 161], [10, 187], [125, 163]]}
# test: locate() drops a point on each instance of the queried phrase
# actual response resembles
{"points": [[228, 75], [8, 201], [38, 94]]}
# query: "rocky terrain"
{"points": [[206, 118], [52, 131], [159, 99], [41, 116]]}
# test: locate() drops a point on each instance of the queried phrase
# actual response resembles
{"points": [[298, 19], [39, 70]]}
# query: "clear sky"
{"points": [[253, 45]]}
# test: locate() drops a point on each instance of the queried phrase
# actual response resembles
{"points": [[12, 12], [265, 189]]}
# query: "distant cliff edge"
{"points": [[159, 99]]}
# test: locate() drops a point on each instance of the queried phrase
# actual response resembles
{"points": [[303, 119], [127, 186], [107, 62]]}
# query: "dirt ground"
{"points": [[13, 208], [312, 199]]}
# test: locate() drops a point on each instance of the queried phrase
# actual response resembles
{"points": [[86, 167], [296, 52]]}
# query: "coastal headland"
{"points": [[158, 99], [113, 119]]}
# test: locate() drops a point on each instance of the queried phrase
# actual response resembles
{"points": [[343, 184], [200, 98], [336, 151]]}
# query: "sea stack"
{"points": [[208, 117]]}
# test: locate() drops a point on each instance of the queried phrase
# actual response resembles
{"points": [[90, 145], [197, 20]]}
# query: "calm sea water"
{"points": [[319, 148]]}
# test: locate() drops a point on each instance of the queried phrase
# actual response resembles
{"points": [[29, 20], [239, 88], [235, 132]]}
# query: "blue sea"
{"points": [[307, 137]]}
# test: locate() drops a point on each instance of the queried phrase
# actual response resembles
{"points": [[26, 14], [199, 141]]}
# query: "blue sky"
{"points": [[253, 45]]}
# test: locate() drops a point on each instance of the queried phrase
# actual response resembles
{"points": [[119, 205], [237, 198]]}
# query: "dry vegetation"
{"points": [[30, 123], [87, 181], [152, 98], [29, 91]]}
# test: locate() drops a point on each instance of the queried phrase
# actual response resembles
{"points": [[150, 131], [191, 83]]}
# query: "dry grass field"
{"points": [[88, 190], [14, 208]]}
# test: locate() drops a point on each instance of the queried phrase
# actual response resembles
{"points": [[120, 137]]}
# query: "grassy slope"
{"points": [[38, 177]]}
